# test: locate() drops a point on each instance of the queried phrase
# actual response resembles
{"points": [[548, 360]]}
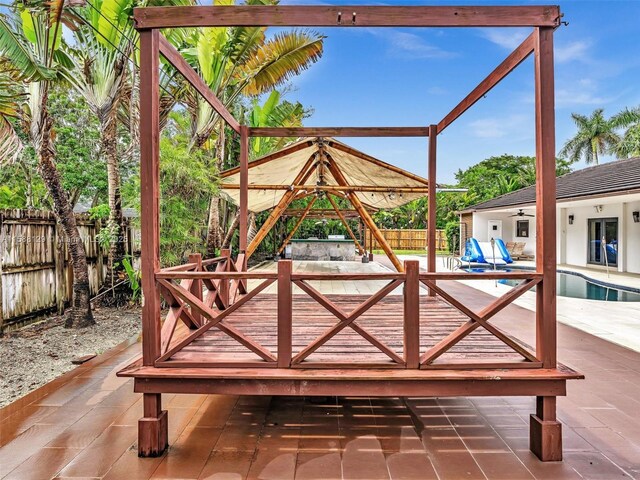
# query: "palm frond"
{"points": [[14, 48], [10, 143], [284, 56]]}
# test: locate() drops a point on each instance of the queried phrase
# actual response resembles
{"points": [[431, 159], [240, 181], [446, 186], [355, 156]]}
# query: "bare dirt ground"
{"points": [[40, 352]]}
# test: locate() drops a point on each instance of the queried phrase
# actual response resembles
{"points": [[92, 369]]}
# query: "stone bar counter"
{"points": [[323, 249]]}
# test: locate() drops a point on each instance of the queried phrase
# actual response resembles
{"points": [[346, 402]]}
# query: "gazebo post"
{"points": [[244, 191], [545, 439], [296, 226], [431, 203], [153, 426]]}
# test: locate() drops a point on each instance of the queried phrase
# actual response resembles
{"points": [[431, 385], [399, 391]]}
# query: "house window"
{"points": [[522, 228]]}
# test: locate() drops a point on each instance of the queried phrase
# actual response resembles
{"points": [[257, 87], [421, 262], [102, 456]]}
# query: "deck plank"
{"points": [[257, 320]]}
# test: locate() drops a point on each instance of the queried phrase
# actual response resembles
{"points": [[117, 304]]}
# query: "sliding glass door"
{"points": [[603, 241]]}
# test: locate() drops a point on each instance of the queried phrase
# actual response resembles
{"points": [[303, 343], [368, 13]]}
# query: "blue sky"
{"points": [[398, 77]]}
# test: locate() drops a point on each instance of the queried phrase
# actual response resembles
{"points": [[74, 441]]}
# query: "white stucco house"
{"points": [[595, 203]]}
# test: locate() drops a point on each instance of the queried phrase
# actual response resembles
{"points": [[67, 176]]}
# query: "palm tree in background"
{"points": [[629, 145], [235, 63], [596, 136], [30, 37], [99, 72]]}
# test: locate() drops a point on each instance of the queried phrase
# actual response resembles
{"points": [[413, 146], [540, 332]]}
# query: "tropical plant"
{"points": [[133, 279], [235, 63], [596, 136], [274, 113], [98, 72], [629, 145], [30, 37]]}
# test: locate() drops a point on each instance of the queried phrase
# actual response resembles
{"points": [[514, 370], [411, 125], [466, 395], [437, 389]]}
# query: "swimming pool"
{"points": [[575, 286]]}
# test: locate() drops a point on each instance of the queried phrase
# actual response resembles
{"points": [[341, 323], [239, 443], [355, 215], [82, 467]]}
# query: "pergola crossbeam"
{"points": [[515, 58], [329, 188], [283, 132], [346, 16]]}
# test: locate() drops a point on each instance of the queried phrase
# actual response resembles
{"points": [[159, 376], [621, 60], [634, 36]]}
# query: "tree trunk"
{"points": [[80, 314], [214, 232], [232, 229], [109, 148]]}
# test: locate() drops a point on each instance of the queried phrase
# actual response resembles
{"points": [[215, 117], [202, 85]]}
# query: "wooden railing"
{"points": [[209, 291]]}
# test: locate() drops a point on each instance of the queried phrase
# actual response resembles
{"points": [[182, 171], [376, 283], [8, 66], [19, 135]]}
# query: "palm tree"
{"points": [[629, 145], [29, 46], [596, 136], [237, 62], [99, 73]]}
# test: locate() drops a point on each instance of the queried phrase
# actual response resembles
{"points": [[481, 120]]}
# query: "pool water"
{"points": [[575, 286]]}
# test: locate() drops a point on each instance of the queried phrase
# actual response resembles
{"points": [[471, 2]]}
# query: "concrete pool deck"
{"points": [[616, 322]]}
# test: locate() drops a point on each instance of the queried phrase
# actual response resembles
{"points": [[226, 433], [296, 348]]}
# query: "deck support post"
{"points": [[370, 244], [545, 431], [244, 185], [196, 288], [545, 438], [223, 285], [285, 313], [152, 428], [411, 296], [431, 203]]}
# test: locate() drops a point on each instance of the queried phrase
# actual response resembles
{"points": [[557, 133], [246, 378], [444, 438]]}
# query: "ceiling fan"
{"points": [[521, 214]]}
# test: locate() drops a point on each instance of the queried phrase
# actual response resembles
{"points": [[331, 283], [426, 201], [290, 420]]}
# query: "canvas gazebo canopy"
{"points": [[318, 164]]}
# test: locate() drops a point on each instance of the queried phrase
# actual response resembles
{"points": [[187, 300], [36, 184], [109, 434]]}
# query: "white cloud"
{"points": [[409, 45], [505, 38], [574, 51], [514, 125]]}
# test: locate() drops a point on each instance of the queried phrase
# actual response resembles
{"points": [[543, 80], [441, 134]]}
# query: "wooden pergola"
{"points": [[218, 337], [325, 167]]}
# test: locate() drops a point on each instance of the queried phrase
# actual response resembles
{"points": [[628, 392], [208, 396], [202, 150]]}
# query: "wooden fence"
{"points": [[35, 269], [407, 239]]}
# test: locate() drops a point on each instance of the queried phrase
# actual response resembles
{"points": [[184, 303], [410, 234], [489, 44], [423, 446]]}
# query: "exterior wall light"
{"points": [[636, 217], [571, 219]]}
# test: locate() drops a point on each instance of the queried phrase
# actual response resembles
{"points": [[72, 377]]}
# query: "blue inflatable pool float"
{"points": [[476, 252]]}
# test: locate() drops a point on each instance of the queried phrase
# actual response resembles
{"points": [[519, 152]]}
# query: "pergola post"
{"points": [[297, 225], [153, 426], [545, 439], [431, 203], [346, 225], [244, 187]]}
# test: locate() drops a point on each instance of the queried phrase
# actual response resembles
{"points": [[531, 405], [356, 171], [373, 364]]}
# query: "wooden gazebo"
{"points": [[242, 340], [322, 166]]}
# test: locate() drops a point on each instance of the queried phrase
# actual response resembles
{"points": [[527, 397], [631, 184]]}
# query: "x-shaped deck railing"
{"points": [[226, 293]]}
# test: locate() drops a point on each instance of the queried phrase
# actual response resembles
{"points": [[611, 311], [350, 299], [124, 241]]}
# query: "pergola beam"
{"points": [[284, 202], [297, 225], [174, 57], [514, 59], [268, 158], [346, 225], [364, 214], [329, 188], [320, 213], [375, 161], [280, 132], [346, 16]]}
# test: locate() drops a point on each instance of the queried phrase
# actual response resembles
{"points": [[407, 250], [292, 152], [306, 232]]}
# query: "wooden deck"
{"points": [[347, 349]]}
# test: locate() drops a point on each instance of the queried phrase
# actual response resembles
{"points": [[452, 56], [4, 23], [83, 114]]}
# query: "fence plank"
{"points": [[406, 239], [35, 265]]}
